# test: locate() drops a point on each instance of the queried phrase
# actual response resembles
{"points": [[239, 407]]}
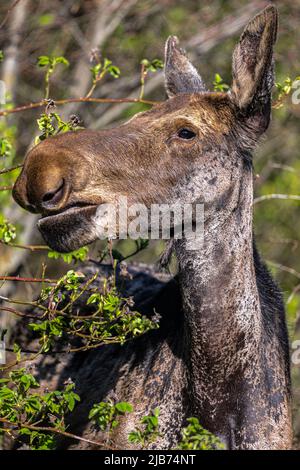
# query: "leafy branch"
{"points": [[99, 70], [195, 437], [148, 430], [146, 67], [50, 63]]}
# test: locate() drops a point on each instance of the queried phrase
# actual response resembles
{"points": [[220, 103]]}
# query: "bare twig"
{"points": [[143, 77], [19, 314], [267, 197], [12, 51], [8, 170], [8, 13], [19, 425], [28, 279], [293, 293], [16, 362], [280, 166], [26, 247], [286, 269], [41, 104]]}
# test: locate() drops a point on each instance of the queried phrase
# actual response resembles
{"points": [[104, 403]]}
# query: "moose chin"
{"points": [[67, 231]]}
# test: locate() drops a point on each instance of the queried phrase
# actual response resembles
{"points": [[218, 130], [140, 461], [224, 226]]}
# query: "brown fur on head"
{"points": [[148, 159]]}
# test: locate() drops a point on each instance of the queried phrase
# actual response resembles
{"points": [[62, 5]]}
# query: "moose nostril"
{"points": [[53, 197], [48, 196]]}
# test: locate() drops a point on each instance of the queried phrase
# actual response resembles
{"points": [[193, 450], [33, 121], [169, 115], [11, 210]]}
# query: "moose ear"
{"points": [[252, 67], [180, 74]]}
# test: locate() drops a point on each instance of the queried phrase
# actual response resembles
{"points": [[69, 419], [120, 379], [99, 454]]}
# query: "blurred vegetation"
{"points": [[67, 29]]}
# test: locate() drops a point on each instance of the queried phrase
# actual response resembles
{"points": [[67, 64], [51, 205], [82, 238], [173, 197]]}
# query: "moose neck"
{"points": [[220, 297]]}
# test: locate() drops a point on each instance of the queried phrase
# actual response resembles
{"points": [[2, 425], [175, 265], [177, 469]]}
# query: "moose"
{"points": [[221, 353]]}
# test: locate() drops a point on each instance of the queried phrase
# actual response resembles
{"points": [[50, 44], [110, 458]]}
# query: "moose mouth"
{"points": [[69, 230]]}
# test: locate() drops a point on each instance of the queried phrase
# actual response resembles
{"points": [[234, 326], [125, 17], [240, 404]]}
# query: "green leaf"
{"points": [[114, 71], [74, 256], [5, 148], [93, 412], [43, 60], [135, 437], [46, 19], [152, 66], [116, 254], [61, 60], [95, 70], [7, 231], [195, 437], [25, 431], [93, 299], [124, 407], [219, 85]]}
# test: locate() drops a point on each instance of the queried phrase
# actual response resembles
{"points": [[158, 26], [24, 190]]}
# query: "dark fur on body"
{"points": [[153, 370]]}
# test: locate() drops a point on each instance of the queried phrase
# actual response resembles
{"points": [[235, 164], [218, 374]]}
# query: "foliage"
{"points": [[110, 319], [52, 124], [7, 230], [195, 437], [148, 66], [35, 417], [5, 148], [29, 411], [219, 84], [106, 414], [153, 65], [77, 255], [50, 64], [100, 69], [283, 90], [148, 431]]}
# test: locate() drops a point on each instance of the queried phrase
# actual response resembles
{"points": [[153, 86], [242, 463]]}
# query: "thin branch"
{"points": [[286, 269], [293, 293], [56, 431], [8, 13], [27, 279], [42, 103], [280, 166], [292, 241], [12, 168], [17, 362], [11, 63], [31, 351], [26, 247], [19, 314], [143, 78], [6, 188], [267, 197]]}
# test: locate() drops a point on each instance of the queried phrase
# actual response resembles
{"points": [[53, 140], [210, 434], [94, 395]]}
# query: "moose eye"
{"points": [[186, 134]]}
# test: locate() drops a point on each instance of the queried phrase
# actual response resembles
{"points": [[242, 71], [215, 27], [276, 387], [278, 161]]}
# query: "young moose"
{"points": [[221, 352]]}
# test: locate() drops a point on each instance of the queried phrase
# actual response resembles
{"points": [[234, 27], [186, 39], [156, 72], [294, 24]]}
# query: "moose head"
{"points": [[195, 146]]}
